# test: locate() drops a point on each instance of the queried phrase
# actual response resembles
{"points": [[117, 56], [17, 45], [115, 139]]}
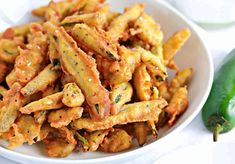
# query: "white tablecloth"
{"points": [[220, 42]]}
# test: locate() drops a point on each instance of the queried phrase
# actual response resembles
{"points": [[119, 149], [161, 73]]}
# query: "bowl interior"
{"points": [[193, 54]]}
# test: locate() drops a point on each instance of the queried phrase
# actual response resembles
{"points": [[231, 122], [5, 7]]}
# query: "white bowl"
{"points": [[194, 54]]}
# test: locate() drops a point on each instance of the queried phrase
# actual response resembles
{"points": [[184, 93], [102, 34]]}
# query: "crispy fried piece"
{"points": [[97, 19], [111, 16], [96, 138], [95, 40], [72, 95], [83, 69], [8, 134], [54, 56], [155, 93], [149, 59], [136, 112], [164, 91], [142, 83], [40, 11], [181, 79], [47, 103], [145, 91], [67, 134], [30, 60], [130, 59], [56, 11], [29, 128], [2, 92], [158, 51], [64, 116], [51, 90], [173, 66], [17, 139], [58, 147], [83, 144], [117, 141], [174, 43], [9, 50], [178, 104], [21, 30], [11, 78], [120, 94], [91, 5], [45, 131], [40, 116], [151, 32], [140, 132], [46, 77], [12, 100], [120, 23]]}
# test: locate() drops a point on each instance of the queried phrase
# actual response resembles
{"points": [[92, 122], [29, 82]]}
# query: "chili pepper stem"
{"points": [[216, 132]]}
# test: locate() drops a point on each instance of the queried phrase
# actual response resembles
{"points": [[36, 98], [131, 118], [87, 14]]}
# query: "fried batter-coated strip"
{"points": [[117, 141], [181, 79], [120, 94], [120, 23], [136, 112], [158, 51], [46, 77], [29, 128], [58, 147], [164, 90], [178, 104], [83, 69], [63, 117], [21, 30], [174, 43], [17, 139], [40, 11], [54, 56], [9, 50], [56, 11], [142, 83], [30, 60], [148, 58], [151, 32], [145, 91], [12, 100], [97, 19], [46, 103], [72, 95], [11, 78], [141, 132], [130, 59], [95, 40], [40, 116], [91, 5], [96, 138]]}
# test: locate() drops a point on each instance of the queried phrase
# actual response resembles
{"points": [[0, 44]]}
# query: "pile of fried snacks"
{"points": [[84, 78]]}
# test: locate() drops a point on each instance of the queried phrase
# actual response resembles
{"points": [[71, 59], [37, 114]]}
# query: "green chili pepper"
{"points": [[219, 111]]}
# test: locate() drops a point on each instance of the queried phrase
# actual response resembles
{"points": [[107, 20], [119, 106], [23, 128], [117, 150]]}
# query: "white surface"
{"points": [[207, 11], [220, 43], [202, 153]]}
